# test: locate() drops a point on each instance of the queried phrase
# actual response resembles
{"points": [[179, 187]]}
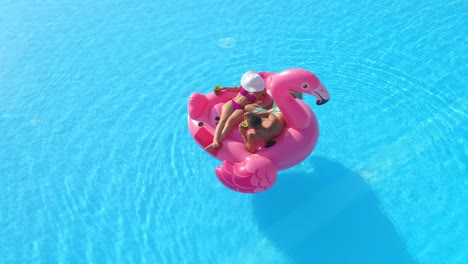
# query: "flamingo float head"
{"points": [[303, 81]]}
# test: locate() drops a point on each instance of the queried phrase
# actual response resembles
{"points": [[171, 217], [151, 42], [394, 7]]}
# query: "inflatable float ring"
{"points": [[252, 173]]}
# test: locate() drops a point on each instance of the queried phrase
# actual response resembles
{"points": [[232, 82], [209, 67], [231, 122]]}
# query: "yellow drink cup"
{"points": [[217, 89]]}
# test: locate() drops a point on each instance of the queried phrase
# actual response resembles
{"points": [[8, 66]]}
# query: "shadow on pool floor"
{"points": [[329, 216]]}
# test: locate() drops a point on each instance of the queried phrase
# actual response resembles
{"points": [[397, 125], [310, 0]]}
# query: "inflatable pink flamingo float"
{"points": [[251, 173]]}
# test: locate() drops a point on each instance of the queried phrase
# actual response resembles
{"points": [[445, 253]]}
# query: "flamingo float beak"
{"points": [[323, 101], [321, 94]]}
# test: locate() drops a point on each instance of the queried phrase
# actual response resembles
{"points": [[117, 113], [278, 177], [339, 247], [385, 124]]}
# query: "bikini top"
{"points": [[252, 98]]}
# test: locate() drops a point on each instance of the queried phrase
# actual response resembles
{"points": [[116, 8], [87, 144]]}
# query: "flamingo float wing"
{"points": [[254, 174]]}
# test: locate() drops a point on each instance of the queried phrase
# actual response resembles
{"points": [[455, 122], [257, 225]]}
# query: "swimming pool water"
{"points": [[97, 164]]}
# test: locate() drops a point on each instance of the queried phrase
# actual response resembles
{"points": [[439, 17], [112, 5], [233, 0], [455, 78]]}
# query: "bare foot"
{"points": [[212, 146]]}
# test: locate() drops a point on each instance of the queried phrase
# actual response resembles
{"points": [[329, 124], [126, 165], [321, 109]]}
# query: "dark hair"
{"points": [[254, 120]]}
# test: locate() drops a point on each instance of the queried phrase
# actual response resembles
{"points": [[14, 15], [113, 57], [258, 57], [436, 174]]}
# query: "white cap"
{"points": [[252, 82]]}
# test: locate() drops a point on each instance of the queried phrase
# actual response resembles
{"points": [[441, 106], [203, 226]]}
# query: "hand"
{"points": [[217, 89]]}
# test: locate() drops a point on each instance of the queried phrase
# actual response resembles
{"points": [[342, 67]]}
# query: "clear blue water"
{"points": [[97, 164]]}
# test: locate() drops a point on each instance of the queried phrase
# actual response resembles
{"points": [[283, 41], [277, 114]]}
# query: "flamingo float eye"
{"points": [[305, 86]]}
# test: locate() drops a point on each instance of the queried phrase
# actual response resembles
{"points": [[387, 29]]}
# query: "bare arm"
{"points": [[249, 140], [252, 107], [266, 104], [232, 88]]}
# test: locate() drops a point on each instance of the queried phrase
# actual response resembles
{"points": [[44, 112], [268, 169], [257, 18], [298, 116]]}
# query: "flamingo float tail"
{"points": [[196, 104], [255, 174]]}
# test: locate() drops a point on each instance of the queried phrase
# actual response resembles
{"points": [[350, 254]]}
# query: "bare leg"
{"points": [[235, 118], [226, 111]]}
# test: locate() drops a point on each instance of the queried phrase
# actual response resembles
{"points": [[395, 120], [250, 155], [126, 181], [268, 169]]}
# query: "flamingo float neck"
{"points": [[295, 116]]}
